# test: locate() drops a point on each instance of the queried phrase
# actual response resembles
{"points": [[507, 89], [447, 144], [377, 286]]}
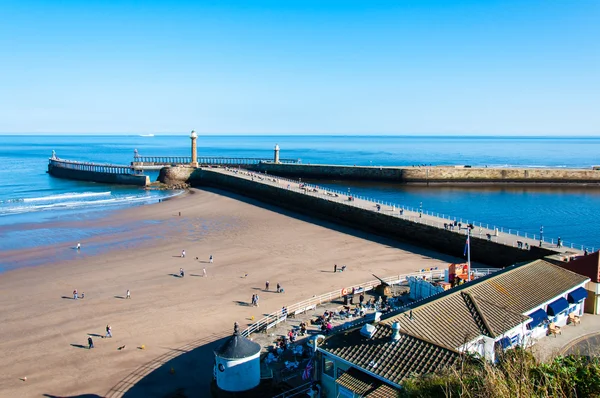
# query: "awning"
{"points": [[537, 316], [556, 307], [577, 295]]}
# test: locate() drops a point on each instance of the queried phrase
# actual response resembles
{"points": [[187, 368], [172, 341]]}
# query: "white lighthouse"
{"points": [[237, 363], [276, 154]]}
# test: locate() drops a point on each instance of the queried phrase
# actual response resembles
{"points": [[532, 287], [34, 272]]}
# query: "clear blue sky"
{"points": [[286, 66]]}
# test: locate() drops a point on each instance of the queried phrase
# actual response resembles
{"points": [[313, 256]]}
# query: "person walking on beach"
{"points": [[334, 268], [278, 287], [267, 285], [82, 295], [203, 271], [108, 331], [181, 273], [75, 294], [253, 300], [90, 343], [128, 296], [210, 259], [182, 253], [256, 300]]}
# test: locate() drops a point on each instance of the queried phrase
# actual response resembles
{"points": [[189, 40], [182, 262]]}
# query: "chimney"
{"points": [[396, 331]]}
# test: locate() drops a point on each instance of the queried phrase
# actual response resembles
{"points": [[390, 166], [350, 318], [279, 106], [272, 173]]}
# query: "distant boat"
{"points": [[146, 135]]}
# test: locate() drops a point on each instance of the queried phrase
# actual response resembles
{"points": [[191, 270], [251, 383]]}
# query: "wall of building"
{"points": [[438, 174], [482, 250], [96, 176]]}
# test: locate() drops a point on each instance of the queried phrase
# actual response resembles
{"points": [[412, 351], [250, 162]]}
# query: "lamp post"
{"points": [[541, 235], [420, 209]]}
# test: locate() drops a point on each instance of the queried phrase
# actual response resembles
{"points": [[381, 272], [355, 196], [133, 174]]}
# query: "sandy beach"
{"points": [[44, 331]]}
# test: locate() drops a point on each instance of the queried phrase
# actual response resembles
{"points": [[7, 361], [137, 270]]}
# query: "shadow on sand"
{"points": [[79, 346], [187, 370], [68, 297], [73, 396], [175, 275], [242, 303]]}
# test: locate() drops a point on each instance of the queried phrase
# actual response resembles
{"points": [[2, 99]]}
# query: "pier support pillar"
{"points": [[194, 136], [276, 154]]}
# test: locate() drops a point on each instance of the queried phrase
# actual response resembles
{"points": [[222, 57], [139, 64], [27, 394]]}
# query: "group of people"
{"points": [[255, 300], [76, 294], [279, 288], [107, 335], [182, 272]]}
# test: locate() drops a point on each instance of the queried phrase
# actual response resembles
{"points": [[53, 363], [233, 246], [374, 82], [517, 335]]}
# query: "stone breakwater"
{"points": [[436, 174], [484, 251]]}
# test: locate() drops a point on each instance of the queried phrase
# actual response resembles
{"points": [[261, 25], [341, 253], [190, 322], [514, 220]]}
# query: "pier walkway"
{"points": [[493, 233]]}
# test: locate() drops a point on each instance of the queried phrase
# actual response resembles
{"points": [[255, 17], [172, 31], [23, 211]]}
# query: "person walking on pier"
{"points": [[559, 242]]}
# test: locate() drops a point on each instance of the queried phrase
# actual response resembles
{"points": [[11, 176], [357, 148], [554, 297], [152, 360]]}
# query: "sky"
{"points": [[301, 67]]}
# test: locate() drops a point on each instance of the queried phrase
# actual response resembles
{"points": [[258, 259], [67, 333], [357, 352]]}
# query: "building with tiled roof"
{"points": [[511, 307]]}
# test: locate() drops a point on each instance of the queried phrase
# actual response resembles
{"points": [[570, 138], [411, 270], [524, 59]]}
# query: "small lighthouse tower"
{"points": [[237, 363], [193, 137], [276, 154]]}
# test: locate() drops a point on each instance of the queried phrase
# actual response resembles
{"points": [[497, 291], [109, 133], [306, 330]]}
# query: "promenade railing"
{"points": [[499, 234], [274, 318]]}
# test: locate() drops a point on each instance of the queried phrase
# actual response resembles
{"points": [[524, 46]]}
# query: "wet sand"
{"points": [[44, 331]]}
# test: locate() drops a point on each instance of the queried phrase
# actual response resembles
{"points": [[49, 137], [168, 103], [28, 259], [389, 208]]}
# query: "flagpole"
{"points": [[468, 253]]}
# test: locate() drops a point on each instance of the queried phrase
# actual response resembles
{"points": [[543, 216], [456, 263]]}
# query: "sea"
{"points": [[29, 196]]}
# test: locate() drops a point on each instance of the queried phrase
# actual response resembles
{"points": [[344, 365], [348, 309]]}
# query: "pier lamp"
{"points": [[421, 209], [541, 235]]}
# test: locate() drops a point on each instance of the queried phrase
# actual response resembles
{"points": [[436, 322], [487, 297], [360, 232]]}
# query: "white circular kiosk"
{"points": [[237, 363]]}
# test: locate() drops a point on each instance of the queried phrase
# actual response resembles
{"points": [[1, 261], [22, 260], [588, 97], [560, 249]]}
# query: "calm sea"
{"points": [[29, 195]]}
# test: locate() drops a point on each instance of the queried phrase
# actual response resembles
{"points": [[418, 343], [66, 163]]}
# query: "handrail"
{"points": [[312, 302], [295, 391], [415, 215]]}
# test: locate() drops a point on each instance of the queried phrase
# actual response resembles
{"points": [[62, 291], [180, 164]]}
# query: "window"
{"points": [[328, 367]]}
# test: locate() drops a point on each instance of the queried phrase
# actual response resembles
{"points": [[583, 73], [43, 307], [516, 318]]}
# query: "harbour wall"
{"points": [[445, 241], [434, 174], [56, 170]]}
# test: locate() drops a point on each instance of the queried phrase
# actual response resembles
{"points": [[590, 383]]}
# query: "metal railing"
{"points": [[303, 388], [89, 166], [207, 160], [276, 317], [442, 221]]}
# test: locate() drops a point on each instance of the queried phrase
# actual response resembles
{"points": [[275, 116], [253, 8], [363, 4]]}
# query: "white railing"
{"points": [[274, 318], [510, 236]]}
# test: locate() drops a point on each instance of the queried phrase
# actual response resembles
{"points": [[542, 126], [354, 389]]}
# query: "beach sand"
{"points": [[44, 331]]}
